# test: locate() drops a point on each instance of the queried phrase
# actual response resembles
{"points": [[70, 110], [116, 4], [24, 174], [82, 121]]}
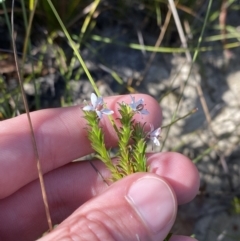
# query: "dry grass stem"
{"points": [[34, 144]]}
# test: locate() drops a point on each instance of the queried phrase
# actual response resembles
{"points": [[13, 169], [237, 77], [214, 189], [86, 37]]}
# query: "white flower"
{"points": [[153, 135], [137, 106], [97, 105]]}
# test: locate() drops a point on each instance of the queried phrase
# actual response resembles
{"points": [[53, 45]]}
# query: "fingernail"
{"points": [[153, 201]]}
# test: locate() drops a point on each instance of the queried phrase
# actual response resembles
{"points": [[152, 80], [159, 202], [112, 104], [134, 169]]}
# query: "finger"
{"points": [[179, 171], [60, 136], [70, 186], [138, 207], [67, 187]]}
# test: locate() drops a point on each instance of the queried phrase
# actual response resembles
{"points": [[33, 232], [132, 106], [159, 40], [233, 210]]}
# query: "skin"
{"points": [[75, 190]]}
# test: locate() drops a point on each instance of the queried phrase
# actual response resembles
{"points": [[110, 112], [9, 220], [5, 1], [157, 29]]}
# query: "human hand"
{"points": [[142, 206]]}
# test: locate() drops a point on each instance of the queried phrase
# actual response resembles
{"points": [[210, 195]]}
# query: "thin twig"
{"points": [[180, 29], [198, 87], [28, 31], [188, 56], [222, 23], [222, 20], [180, 118], [157, 44], [43, 189], [99, 173]]}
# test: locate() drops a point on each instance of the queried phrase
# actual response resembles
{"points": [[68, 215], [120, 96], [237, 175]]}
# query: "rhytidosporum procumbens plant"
{"points": [[131, 136]]}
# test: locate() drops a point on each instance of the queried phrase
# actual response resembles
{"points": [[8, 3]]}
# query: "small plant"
{"points": [[132, 139]]}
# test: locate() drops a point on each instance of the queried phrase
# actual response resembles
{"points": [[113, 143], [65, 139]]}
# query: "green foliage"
{"points": [[236, 205], [68, 11], [131, 142], [139, 148], [96, 137], [124, 135]]}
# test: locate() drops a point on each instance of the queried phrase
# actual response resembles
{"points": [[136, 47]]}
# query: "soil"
{"points": [[210, 137]]}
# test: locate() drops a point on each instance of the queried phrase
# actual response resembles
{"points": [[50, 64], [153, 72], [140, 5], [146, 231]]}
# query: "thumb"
{"points": [[139, 207]]}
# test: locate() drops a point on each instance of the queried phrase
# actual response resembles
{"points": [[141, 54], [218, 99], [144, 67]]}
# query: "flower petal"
{"points": [[133, 107], [99, 113], [137, 106], [133, 99], [139, 102], [152, 128], [88, 108], [144, 112], [107, 112], [156, 141], [153, 135], [99, 101], [157, 132], [94, 100]]}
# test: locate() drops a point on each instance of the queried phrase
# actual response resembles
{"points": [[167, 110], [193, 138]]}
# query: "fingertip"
{"points": [[156, 206], [141, 205], [154, 109], [179, 171]]}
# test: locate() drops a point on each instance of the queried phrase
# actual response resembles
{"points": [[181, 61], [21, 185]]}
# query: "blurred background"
{"points": [[144, 46]]}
